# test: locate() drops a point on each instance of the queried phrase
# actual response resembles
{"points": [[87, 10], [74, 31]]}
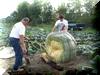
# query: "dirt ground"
{"points": [[38, 66]]}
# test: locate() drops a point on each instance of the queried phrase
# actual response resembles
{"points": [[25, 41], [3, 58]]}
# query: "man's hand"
{"points": [[24, 51], [27, 38], [27, 59]]}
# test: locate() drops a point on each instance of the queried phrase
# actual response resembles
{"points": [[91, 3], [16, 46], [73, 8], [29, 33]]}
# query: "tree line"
{"points": [[44, 13]]}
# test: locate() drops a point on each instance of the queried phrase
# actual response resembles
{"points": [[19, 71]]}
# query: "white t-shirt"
{"points": [[17, 30], [59, 25]]}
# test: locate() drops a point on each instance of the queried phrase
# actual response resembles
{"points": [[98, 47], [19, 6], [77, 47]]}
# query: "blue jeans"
{"points": [[14, 42]]}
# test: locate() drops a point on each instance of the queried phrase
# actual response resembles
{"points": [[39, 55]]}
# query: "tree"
{"points": [[70, 13], [96, 17], [80, 11], [35, 12], [22, 10], [14, 16], [62, 9], [47, 12]]}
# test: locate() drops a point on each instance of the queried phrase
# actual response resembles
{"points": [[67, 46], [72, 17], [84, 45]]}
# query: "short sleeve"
{"points": [[22, 30], [56, 23]]}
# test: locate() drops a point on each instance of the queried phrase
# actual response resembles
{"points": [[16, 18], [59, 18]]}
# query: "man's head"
{"points": [[25, 21], [61, 17]]}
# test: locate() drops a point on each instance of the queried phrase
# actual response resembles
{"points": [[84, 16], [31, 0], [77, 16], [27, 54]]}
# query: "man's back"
{"points": [[17, 29]]}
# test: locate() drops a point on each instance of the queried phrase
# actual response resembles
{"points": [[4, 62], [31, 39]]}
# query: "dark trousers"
{"points": [[18, 52]]}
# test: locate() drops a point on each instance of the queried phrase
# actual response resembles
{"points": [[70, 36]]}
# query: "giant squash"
{"points": [[60, 46]]}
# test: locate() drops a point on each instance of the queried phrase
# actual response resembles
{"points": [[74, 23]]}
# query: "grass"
{"points": [[43, 26], [46, 27], [49, 28]]}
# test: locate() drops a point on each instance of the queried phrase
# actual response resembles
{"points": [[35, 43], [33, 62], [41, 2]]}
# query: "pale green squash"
{"points": [[60, 46]]}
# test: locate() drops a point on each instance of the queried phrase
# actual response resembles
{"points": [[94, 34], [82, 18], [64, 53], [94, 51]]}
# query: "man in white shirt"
{"points": [[60, 25], [17, 41]]}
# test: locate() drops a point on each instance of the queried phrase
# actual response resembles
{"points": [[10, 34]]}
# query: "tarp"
{"points": [[6, 52]]}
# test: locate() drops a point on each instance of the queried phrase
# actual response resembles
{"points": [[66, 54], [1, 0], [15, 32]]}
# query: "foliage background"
{"points": [[44, 13]]}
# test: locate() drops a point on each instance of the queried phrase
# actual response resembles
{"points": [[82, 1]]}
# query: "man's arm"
{"points": [[24, 50], [53, 29], [22, 44]]}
